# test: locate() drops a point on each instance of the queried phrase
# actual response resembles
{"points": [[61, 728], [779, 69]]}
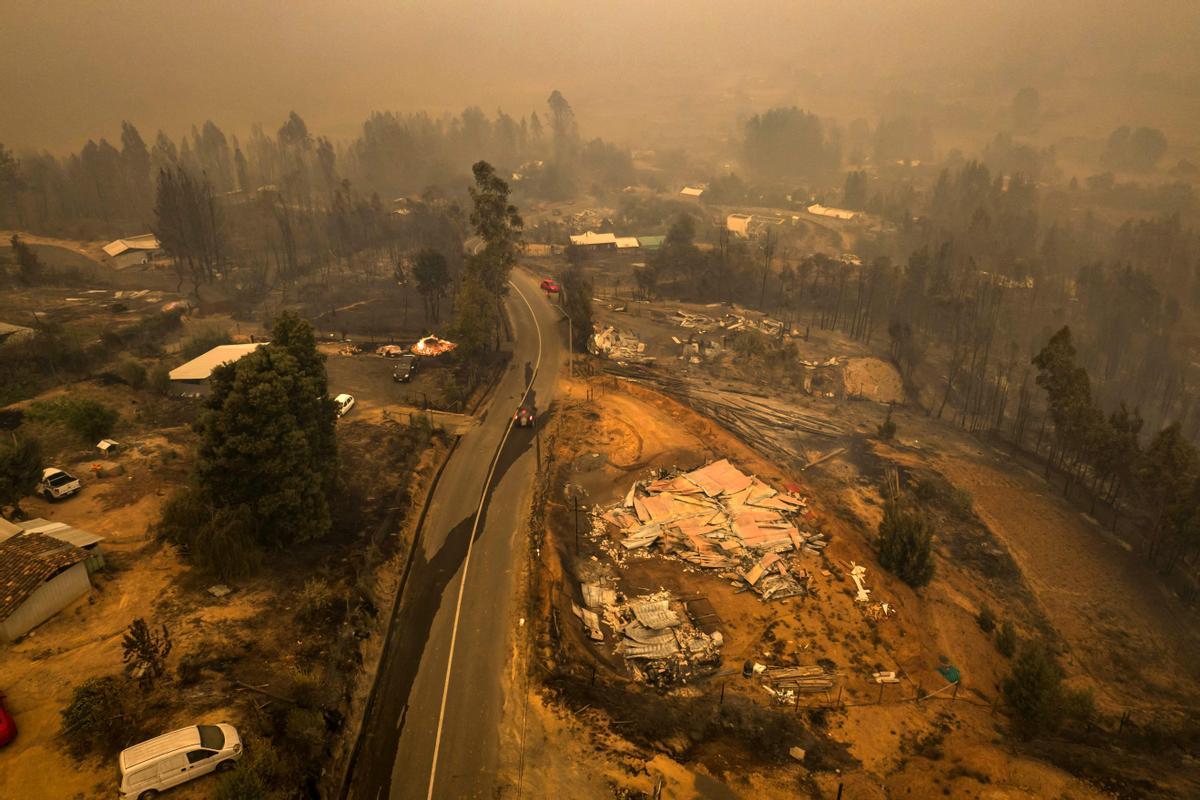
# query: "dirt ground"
{"points": [[1027, 555], [146, 578]]}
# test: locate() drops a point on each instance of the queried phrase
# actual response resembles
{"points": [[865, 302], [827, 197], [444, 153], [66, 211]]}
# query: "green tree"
{"points": [[11, 185], [1034, 690], [905, 544], [1069, 394], [499, 224], [268, 446], [100, 717], [1168, 472], [20, 469], [29, 267], [578, 302], [854, 195], [433, 279], [475, 316]]}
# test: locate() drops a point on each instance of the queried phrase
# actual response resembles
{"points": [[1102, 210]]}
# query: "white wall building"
{"points": [[39, 577]]}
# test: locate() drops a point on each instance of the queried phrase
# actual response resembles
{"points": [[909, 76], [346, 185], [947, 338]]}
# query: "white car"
{"points": [[57, 483], [148, 768], [344, 403]]}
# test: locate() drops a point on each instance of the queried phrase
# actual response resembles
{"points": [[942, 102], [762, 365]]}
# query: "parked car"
{"points": [[344, 403], [57, 484], [177, 757], [405, 368], [549, 286], [8, 728], [524, 416]]}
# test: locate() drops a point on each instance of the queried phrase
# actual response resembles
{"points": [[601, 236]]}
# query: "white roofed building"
{"points": [[833, 213], [604, 241], [739, 224], [191, 379], [133, 250]]}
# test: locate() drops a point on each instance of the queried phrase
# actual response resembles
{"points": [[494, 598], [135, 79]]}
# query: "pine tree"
{"points": [[905, 544]]}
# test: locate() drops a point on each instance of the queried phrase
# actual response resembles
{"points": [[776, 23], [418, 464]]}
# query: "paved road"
{"points": [[424, 700]]}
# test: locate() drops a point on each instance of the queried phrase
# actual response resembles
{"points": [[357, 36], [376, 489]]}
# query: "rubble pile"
{"points": [[661, 644], [618, 346], [717, 517]]}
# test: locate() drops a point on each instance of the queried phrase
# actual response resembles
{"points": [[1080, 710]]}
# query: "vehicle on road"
{"points": [[8, 728], [57, 484], [524, 417], [177, 757], [549, 286], [344, 403], [405, 368]]}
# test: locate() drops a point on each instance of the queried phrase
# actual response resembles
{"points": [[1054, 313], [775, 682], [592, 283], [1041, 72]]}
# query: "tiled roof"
{"points": [[28, 561]]}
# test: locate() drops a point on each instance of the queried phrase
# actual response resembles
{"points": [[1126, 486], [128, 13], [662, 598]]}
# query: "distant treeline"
{"points": [[107, 189]]}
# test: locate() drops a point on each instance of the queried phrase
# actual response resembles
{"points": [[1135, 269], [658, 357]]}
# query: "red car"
{"points": [[8, 728], [549, 286]]}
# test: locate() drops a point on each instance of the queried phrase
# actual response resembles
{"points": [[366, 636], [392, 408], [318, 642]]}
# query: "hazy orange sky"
{"points": [[73, 70]]}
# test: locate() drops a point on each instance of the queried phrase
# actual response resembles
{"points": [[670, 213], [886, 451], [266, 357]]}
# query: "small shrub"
{"points": [[306, 688], [202, 341], [305, 732], [145, 652], [316, 600], [934, 489], [219, 542], [1006, 639], [906, 544], [252, 779], [886, 430], [159, 380], [132, 373], [986, 618], [89, 419], [1079, 704], [99, 717]]}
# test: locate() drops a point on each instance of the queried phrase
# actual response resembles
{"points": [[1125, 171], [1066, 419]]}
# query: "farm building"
{"points": [[84, 540], [739, 224], [133, 250], [39, 577], [191, 379], [832, 213], [599, 241]]}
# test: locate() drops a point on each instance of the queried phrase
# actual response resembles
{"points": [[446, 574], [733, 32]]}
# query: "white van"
{"points": [[343, 403], [177, 757]]}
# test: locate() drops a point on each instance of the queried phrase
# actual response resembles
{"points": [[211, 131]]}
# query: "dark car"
{"points": [[549, 286], [524, 416], [406, 365], [8, 728]]}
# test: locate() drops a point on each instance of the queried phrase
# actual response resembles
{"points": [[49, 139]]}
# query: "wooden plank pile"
{"points": [[801, 680]]}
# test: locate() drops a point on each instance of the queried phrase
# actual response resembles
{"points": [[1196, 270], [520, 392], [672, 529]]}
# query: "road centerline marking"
{"points": [[487, 484]]}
